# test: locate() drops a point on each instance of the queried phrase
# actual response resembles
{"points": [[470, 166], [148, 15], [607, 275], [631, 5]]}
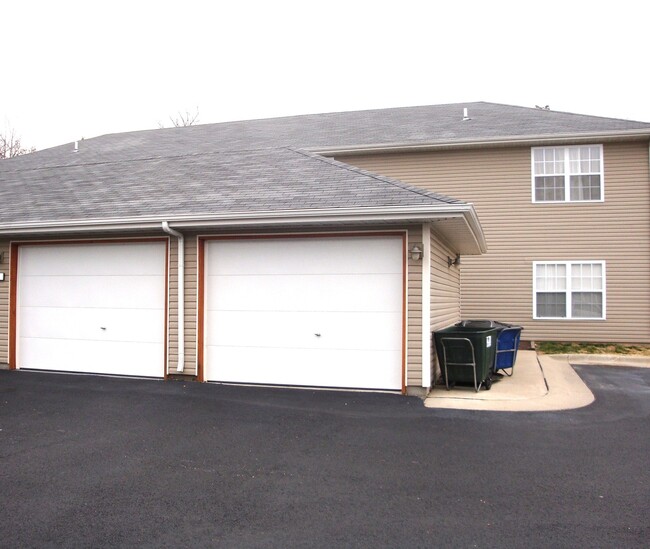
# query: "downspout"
{"points": [[181, 294]]}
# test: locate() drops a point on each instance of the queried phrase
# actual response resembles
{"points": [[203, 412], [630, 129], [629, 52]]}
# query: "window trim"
{"points": [[567, 175], [568, 290]]}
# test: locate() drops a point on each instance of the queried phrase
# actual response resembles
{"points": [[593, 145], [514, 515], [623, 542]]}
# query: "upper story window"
{"points": [[568, 174], [569, 289]]}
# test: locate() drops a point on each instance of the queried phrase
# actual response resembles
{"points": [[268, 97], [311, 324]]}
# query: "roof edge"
{"points": [[438, 212], [471, 218], [583, 137]]}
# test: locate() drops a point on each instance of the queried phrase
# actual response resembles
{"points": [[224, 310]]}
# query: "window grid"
{"points": [[568, 174], [569, 290]]}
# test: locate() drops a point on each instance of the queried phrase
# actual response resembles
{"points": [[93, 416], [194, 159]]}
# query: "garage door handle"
{"points": [[103, 327], [317, 335]]}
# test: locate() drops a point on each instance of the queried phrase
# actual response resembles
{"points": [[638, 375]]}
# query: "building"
{"points": [[322, 250]]}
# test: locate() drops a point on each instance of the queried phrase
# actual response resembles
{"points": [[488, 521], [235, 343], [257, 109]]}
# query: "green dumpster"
{"points": [[466, 352]]}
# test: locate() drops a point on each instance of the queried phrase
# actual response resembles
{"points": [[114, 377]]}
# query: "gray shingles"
{"points": [[431, 124], [252, 166], [229, 182]]}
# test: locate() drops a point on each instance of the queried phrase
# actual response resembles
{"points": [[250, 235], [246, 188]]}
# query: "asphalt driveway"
{"points": [[97, 462]]}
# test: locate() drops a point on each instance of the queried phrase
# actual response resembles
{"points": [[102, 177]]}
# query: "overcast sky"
{"points": [[81, 69]]}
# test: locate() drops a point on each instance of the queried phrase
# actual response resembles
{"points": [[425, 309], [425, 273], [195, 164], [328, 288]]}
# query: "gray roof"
{"points": [[266, 180], [406, 125], [255, 165]]}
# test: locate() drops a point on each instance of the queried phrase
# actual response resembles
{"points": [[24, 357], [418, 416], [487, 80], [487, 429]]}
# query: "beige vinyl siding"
{"points": [[499, 285], [445, 291], [191, 303], [4, 302], [414, 312]]}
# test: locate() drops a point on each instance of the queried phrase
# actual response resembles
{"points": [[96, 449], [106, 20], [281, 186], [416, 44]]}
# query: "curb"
{"points": [[604, 360]]}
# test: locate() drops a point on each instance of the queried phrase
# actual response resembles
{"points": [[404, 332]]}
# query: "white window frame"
{"points": [[567, 175], [569, 290]]}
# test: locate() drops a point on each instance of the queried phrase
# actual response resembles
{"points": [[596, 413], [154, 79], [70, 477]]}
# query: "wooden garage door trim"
{"points": [[276, 236], [14, 250]]}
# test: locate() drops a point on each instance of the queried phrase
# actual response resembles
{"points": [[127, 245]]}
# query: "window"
{"points": [[568, 174], [564, 289]]}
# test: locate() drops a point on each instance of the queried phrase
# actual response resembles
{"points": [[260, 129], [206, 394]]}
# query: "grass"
{"points": [[560, 348]]}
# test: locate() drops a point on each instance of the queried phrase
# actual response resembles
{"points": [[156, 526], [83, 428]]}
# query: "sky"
{"points": [[73, 70]]}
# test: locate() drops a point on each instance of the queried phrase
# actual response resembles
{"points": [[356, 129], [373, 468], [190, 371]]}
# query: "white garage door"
{"points": [[323, 312], [96, 308]]}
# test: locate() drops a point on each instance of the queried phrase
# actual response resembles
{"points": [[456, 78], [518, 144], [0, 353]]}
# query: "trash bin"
{"points": [[466, 352], [507, 346]]}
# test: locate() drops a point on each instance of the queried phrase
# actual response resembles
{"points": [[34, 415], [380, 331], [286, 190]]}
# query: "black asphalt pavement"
{"points": [[103, 462]]}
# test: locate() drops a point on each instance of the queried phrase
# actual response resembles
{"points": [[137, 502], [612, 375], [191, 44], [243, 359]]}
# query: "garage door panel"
{"points": [[306, 256], [265, 301], [333, 292], [123, 259], [68, 292], [378, 331], [141, 292], [146, 325], [333, 368], [98, 357]]}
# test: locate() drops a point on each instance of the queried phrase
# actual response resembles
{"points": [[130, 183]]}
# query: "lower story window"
{"points": [[569, 289]]}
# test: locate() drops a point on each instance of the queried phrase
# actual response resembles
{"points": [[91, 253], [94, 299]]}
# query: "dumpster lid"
{"points": [[485, 324], [479, 324]]}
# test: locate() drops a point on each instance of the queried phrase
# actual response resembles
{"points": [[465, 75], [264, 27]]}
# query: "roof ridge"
{"points": [[550, 110], [196, 127], [383, 179]]}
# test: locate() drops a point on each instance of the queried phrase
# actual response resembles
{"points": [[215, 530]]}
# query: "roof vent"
{"points": [[465, 115], [76, 146]]}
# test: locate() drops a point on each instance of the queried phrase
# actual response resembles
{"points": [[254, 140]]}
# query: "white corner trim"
{"points": [[426, 305]]}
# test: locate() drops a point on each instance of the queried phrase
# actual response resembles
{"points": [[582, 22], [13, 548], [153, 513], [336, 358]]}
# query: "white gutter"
{"points": [[388, 213], [475, 226], [488, 142], [240, 220], [181, 294]]}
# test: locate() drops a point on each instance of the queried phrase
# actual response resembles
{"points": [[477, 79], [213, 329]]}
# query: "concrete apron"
{"points": [[538, 384]]}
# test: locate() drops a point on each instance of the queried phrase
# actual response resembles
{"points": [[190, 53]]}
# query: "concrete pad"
{"points": [[541, 383]]}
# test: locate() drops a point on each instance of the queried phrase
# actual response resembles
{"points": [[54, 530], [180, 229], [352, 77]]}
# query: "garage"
{"points": [[92, 307], [321, 311]]}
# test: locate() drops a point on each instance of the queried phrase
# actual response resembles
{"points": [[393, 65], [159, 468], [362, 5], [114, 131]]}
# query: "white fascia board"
{"points": [[491, 142], [416, 214], [242, 218], [477, 230]]}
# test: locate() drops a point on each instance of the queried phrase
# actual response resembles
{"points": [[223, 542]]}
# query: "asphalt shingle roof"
{"points": [[430, 124], [255, 165], [226, 182]]}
